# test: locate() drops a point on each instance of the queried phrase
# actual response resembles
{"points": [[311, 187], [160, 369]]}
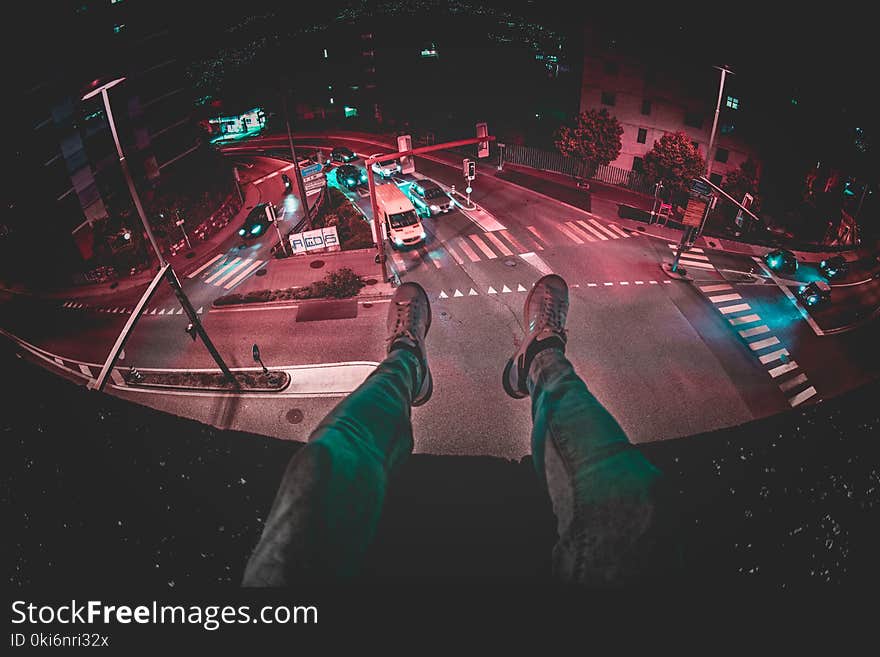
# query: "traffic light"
{"points": [[483, 146], [469, 168]]}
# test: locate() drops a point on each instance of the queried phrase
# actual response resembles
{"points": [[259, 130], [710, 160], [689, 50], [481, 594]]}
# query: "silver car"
{"points": [[387, 167], [429, 198]]}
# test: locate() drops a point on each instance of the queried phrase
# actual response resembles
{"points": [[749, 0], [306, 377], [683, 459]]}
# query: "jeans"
{"points": [[327, 508]]}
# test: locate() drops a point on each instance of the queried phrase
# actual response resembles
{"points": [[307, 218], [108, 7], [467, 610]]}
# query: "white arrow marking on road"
{"points": [[457, 293], [492, 290], [443, 295], [520, 288], [154, 312], [199, 311], [179, 311], [506, 289], [162, 312], [472, 293]]}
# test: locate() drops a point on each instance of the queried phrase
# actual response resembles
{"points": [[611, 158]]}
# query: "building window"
{"points": [[643, 136], [646, 107], [715, 179], [608, 98], [733, 102], [638, 165], [727, 128], [721, 155], [693, 119], [611, 68]]}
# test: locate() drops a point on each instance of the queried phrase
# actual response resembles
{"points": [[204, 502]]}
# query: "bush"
{"points": [[341, 283]]}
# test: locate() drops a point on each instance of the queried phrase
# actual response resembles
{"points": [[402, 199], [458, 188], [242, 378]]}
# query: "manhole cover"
{"points": [[371, 281], [316, 264], [294, 416], [114, 285], [368, 305], [641, 228], [443, 313], [191, 254], [510, 263], [712, 244], [261, 272]]}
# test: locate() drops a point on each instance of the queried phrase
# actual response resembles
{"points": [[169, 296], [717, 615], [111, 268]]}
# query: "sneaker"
{"points": [[409, 318], [544, 314]]}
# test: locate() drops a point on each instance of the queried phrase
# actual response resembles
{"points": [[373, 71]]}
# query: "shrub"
{"points": [[341, 283]]}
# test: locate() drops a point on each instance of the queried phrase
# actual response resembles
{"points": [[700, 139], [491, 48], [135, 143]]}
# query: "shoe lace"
{"points": [[404, 320], [553, 313]]}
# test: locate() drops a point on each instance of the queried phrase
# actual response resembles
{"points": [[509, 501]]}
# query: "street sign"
{"points": [[483, 146], [319, 238], [693, 213], [179, 222], [407, 162]]}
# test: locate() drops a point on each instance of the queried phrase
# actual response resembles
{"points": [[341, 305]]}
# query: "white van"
{"points": [[397, 214]]}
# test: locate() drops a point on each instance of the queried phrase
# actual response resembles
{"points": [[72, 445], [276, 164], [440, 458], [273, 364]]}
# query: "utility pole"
{"points": [[300, 187], [724, 71], [377, 224]]}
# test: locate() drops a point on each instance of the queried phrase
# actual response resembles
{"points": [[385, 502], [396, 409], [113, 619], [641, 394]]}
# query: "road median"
{"points": [[271, 381]]}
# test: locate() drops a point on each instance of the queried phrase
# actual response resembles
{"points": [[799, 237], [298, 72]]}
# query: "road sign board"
{"points": [[179, 222], [693, 213], [314, 176]]}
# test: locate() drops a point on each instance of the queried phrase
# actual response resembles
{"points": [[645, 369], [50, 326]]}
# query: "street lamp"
{"points": [[123, 163], [724, 71]]}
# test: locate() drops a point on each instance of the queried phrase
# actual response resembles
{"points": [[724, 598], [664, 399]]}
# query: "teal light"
{"points": [[241, 231], [812, 299], [256, 229], [349, 181]]}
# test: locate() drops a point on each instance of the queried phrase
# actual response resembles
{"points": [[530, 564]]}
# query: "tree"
{"points": [[744, 181], [594, 138], [674, 161]]}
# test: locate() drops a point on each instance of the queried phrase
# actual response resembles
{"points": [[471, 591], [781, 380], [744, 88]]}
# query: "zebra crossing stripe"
{"points": [[534, 231], [695, 263], [577, 230], [775, 355], [802, 396], [565, 231], [721, 298], [468, 251], [453, 253], [617, 229], [782, 369], [588, 227], [222, 269], [117, 377], [501, 246], [757, 330], [536, 262], [726, 310], [238, 279], [745, 319], [205, 266], [433, 256], [715, 288], [761, 344], [480, 244], [694, 256], [513, 241], [695, 249], [232, 271], [785, 386], [603, 229]]}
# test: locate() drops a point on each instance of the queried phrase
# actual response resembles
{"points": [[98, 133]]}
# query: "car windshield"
{"points": [[402, 219], [434, 192], [387, 163]]}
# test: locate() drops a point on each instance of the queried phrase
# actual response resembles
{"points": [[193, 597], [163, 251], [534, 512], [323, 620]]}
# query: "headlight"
{"points": [[812, 299], [350, 181], [256, 229], [802, 288], [398, 241], [822, 264], [241, 231], [435, 208], [423, 235]]}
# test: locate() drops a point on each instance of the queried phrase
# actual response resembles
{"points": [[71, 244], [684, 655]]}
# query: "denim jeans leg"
{"points": [[328, 505], [601, 487]]}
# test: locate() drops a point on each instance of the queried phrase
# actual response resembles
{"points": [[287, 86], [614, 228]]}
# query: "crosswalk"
{"points": [[759, 338], [498, 244], [693, 258], [225, 271]]}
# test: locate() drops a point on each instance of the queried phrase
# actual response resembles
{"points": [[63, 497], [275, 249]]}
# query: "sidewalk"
{"points": [[301, 270]]}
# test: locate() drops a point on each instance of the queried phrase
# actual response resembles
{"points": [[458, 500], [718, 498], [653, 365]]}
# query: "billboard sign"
{"points": [[312, 240]]}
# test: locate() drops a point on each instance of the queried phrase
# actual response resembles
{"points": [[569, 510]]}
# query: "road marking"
{"points": [[694, 256], [472, 293], [179, 311], [205, 266], [580, 232], [588, 227], [693, 248], [536, 262], [565, 231], [482, 246], [457, 293], [782, 369], [162, 312], [520, 288], [501, 246], [453, 253], [802, 396], [432, 255], [624, 282], [791, 297], [603, 229], [506, 289], [726, 310], [513, 241], [534, 231], [443, 295], [591, 284], [785, 386], [608, 284], [220, 271], [59, 361], [483, 219], [398, 261], [617, 229], [757, 330], [238, 279], [85, 370], [653, 282], [468, 251], [117, 377], [640, 282], [761, 344], [232, 271], [776, 355], [714, 288], [492, 290], [721, 298], [745, 319], [695, 263]]}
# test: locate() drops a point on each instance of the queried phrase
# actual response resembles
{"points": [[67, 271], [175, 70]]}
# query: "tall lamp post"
{"points": [[724, 71], [165, 269]]}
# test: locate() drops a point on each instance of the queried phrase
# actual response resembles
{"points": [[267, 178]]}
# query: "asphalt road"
{"points": [[663, 355]]}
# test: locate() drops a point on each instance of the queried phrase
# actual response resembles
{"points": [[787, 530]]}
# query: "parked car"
{"points": [[429, 198], [342, 154], [782, 261], [349, 176], [256, 223], [834, 267], [814, 293], [386, 167]]}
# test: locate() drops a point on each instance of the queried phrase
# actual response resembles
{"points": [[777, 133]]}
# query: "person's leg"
{"points": [[328, 505], [604, 492]]}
